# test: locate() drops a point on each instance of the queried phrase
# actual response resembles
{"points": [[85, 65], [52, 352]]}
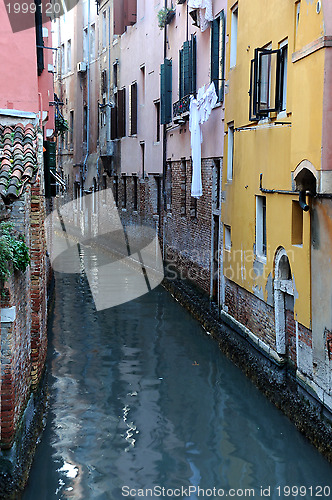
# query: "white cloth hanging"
{"points": [[205, 12], [199, 112], [196, 139]]}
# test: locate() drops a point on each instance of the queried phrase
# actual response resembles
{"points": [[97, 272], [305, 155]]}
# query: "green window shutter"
{"points": [[166, 91], [215, 29], [193, 64], [181, 75], [187, 69], [222, 59]]}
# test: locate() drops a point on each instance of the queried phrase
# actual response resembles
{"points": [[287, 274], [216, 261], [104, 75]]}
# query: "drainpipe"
{"points": [[302, 201], [109, 78], [88, 103], [164, 128]]}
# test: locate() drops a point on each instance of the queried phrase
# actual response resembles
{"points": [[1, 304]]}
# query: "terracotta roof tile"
{"points": [[18, 160]]}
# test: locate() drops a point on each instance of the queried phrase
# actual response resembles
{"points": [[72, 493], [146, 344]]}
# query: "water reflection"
{"points": [[140, 396]]}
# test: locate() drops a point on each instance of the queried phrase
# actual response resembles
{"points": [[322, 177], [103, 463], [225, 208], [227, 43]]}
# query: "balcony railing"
{"points": [[181, 108]]}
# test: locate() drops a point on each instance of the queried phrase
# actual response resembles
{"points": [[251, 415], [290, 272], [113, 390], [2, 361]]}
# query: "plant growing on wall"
{"points": [[165, 15], [14, 254], [61, 125]]}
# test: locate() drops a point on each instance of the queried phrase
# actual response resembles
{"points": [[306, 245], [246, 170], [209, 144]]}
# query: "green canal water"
{"points": [[143, 405]]}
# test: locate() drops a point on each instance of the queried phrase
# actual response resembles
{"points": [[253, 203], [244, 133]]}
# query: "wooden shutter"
{"points": [[118, 17], [181, 75], [39, 37], [166, 91], [114, 123], [122, 113], [193, 64], [133, 109], [222, 57], [187, 70], [215, 31]]}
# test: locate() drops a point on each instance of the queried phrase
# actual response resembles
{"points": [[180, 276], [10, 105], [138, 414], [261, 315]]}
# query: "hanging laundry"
{"points": [[205, 12], [199, 112]]}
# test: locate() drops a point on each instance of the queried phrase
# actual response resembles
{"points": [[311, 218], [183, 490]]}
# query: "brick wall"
{"points": [[187, 229], [24, 340]]}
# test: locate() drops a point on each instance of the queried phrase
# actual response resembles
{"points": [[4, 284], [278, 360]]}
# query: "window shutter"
{"points": [[215, 29], [39, 37], [193, 64], [187, 70], [222, 57], [181, 77], [166, 91], [133, 109], [122, 113]]}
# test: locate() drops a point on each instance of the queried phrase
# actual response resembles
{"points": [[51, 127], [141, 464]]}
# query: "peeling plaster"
{"points": [[269, 290], [258, 291], [258, 267]]}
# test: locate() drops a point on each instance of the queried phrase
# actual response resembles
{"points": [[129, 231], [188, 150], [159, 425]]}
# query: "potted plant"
{"points": [[165, 16]]}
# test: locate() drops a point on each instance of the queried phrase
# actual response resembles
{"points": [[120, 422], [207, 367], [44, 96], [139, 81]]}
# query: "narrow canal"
{"points": [[141, 397]]}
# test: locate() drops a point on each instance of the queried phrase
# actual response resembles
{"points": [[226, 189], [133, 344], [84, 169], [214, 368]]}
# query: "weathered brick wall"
{"points": [[251, 311], [187, 234], [38, 283], [15, 337], [24, 340]]}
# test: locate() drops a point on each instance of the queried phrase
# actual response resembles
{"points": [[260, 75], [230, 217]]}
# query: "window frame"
{"points": [[256, 112]]}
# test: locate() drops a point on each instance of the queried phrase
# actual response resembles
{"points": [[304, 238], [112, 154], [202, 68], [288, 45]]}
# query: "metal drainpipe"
{"points": [[164, 127], [302, 201], [88, 104]]}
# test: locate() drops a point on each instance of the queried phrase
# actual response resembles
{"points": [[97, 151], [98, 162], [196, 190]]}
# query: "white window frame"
{"points": [[227, 237], [230, 151], [261, 250], [234, 30]]}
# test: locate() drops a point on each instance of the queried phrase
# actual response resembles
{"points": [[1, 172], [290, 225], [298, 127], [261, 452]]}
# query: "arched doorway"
{"points": [[283, 297]]}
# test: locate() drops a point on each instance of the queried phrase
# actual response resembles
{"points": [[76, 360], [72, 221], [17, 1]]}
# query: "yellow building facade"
{"points": [[277, 55]]}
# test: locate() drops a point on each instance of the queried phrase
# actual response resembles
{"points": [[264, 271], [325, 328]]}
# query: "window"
{"points": [[218, 54], [92, 41], [133, 109], [121, 114], [71, 128], [228, 238], [234, 36], [69, 56], [230, 151], [143, 158], [104, 32], [283, 74], [261, 226], [183, 188], [143, 83], [297, 223], [85, 45], [166, 91], [116, 190], [135, 197], [268, 81], [115, 76], [157, 108], [62, 59], [297, 16], [187, 69], [124, 191], [103, 82], [193, 208]]}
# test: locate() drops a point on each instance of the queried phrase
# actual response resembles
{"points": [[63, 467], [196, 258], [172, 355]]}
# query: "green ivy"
{"points": [[13, 250]]}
